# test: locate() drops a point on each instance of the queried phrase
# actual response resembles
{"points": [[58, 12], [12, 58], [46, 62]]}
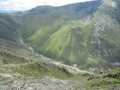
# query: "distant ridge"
{"points": [[11, 11]]}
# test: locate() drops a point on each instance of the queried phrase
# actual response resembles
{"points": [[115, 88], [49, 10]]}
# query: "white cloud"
{"points": [[28, 4]]}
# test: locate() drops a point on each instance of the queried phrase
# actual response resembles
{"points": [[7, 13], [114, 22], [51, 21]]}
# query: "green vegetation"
{"points": [[9, 28], [67, 37], [17, 64], [101, 81], [87, 34], [8, 57], [107, 79], [41, 69], [58, 38], [10, 36]]}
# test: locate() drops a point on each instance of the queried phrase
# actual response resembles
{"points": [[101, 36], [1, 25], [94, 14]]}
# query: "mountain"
{"points": [[9, 27], [36, 45], [86, 34], [23, 72], [10, 34], [11, 11]]}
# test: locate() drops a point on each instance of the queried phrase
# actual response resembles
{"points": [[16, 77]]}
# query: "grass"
{"points": [[8, 57], [60, 36], [105, 82], [40, 69], [8, 28], [113, 71], [66, 36], [105, 79]]}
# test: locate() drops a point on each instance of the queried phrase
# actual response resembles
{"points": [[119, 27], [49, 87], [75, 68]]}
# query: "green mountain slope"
{"points": [[9, 27], [10, 34], [84, 33]]}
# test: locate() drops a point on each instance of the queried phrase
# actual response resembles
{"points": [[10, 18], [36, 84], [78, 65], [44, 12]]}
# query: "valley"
{"points": [[69, 47], [25, 74]]}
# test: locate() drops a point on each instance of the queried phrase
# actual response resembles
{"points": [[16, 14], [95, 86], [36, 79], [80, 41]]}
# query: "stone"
{"points": [[75, 65]]}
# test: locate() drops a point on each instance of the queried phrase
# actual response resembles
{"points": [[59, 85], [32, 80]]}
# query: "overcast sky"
{"points": [[28, 4]]}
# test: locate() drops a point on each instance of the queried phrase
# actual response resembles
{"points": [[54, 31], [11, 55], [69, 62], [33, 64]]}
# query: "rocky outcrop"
{"points": [[115, 75], [45, 83]]}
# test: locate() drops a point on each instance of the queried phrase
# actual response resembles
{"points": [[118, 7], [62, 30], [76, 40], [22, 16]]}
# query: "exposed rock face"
{"points": [[102, 26], [113, 75], [105, 28]]}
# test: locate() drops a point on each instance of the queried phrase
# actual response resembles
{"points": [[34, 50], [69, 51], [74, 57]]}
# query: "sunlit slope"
{"points": [[84, 33]]}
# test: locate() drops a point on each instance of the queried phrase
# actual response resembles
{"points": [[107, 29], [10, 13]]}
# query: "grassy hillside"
{"points": [[10, 34], [9, 27], [19, 71], [7, 57], [59, 34], [47, 73], [85, 33]]}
